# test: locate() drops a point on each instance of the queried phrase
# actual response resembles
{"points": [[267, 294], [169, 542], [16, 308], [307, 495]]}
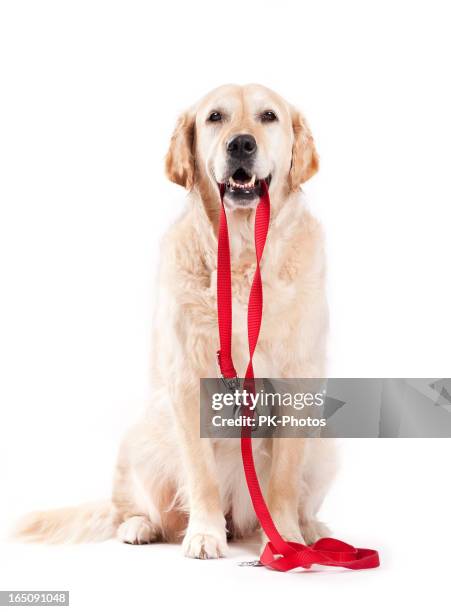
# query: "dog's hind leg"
{"points": [[142, 495], [136, 525]]}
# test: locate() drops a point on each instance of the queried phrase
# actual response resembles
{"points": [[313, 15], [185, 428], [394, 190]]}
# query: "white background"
{"points": [[89, 95]]}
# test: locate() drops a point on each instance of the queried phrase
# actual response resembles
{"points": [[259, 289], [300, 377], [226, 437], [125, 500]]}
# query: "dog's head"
{"points": [[239, 136]]}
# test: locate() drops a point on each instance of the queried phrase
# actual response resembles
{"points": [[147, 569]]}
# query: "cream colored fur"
{"points": [[170, 484]]}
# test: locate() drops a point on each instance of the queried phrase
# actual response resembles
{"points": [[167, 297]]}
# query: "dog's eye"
{"points": [[268, 116], [215, 116]]}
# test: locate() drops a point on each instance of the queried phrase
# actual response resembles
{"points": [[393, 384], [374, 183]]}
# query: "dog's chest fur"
{"points": [[292, 272]]}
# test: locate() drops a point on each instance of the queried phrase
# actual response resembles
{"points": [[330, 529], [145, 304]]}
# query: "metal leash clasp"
{"points": [[231, 384], [255, 563]]}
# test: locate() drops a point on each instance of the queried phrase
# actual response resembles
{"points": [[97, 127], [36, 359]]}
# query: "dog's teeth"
{"points": [[249, 185]]}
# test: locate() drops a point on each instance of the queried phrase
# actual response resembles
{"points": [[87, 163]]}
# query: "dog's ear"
{"points": [[304, 158], [180, 157]]}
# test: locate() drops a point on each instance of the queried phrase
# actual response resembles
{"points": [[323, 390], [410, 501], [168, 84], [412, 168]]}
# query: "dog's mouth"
{"points": [[242, 185]]}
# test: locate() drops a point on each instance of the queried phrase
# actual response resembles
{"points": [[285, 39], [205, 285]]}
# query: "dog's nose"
{"points": [[242, 146]]}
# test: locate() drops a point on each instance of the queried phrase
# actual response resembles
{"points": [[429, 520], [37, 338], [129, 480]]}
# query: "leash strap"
{"points": [[278, 554]]}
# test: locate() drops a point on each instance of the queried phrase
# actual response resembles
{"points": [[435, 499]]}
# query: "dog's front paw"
{"points": [[288, 536], [204, 545], [314, 530], [288, 527]]}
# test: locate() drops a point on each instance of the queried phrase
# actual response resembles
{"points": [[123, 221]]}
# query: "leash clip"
{"points": [[231, 384], [255, 563]]}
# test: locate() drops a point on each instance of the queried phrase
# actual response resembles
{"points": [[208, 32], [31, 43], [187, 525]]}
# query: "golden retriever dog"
{"points": [[171, 484]]}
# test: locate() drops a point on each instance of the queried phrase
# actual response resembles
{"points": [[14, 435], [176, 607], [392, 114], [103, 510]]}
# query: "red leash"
{"points": [[278, 554]]}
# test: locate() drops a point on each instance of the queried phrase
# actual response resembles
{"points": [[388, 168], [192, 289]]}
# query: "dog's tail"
{"points": [[87, 523]]}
